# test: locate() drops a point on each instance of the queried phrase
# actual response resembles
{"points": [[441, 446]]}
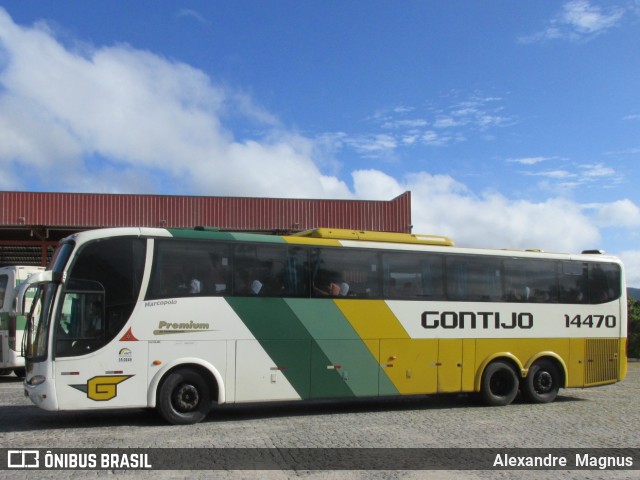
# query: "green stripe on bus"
{"points": [[199, 234], [213, 235], [290, 345], [254, 237], [344, 348]]}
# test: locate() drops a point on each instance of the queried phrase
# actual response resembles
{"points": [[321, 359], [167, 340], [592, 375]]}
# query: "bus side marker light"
{"points": [[157, 362]]}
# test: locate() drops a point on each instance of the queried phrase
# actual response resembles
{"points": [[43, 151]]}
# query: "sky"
{"points": [[513, 124]]}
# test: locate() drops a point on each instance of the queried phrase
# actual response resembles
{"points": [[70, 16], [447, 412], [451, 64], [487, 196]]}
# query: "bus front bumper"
{"points": [[41, 392]]}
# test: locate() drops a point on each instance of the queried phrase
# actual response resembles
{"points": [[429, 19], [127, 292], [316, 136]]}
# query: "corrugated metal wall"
{"points": [[82, 211]]}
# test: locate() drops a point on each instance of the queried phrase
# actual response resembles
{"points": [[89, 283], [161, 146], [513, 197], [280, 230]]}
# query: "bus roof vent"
{"points": [[390, 237], [593, 252]]}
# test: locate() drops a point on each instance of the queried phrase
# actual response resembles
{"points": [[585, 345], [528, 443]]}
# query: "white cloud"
{"points": [[631, 261], [570, 176], [529, 160], [372, 146], [442, 205], [436, 127], [62, 109], [578, 20], [190, 13], [448, 122], [621, 213], [597, 171], [408, 123], [556, 174], [586, 18]]}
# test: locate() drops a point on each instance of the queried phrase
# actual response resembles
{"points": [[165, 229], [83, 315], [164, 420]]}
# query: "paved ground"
{"points": [[592, 418]]}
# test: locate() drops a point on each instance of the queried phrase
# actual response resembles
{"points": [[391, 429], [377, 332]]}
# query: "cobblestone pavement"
{"points": [[603, 417]]}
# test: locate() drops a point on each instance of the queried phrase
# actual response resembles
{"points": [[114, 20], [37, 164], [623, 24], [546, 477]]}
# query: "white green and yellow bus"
{"points": [[12, 325], [181, 320]]}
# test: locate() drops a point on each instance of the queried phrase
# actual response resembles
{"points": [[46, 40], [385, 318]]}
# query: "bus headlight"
{"points": [[36, 380]]}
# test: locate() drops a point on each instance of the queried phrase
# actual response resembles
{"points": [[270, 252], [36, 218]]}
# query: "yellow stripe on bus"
{"points": [[372, 319]]}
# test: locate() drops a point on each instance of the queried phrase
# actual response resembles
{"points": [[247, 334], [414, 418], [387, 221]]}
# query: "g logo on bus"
{"points": [[102, 388]]}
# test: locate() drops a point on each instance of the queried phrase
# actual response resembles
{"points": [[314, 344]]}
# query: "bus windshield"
{"points": [[102, 287]]}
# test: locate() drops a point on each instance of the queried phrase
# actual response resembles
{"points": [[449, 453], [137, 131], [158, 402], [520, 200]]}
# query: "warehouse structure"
{"points": [[31, 224]]}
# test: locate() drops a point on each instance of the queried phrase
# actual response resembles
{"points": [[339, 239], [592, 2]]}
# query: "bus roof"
{"points": [[337, 237]]}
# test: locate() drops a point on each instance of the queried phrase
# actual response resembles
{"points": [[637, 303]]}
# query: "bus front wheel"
{"points": [[499, 384], [542, 383], [184, 397]]}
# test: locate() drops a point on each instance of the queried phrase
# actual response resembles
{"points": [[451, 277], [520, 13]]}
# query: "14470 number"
{"points": [[590, 321]]}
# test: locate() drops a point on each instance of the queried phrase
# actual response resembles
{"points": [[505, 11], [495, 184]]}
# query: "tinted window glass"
{"points": [[528, 280], [411, 276], [345, 273], [474, 279], [100, 293], [187, 268], [573, 282], [270, 270], [604, 282]]}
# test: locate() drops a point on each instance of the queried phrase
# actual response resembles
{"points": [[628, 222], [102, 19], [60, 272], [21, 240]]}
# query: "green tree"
{"points": [[633, 330]]}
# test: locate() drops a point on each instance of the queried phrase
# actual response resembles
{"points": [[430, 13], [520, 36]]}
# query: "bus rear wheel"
{"points": [[542, 383], [499, 384], [184, 397]]}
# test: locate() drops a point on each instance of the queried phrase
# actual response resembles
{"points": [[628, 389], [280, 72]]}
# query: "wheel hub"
{"points": [[186, 398], [543, 382]]}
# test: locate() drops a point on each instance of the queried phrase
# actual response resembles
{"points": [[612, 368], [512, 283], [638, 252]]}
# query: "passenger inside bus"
{"points": [[94, 320]]}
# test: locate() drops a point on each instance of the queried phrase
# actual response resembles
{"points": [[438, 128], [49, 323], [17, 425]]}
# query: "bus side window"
{"points": [[407, 276], [189, 268], [604, 285], [296, 275], [350, 273], [474, 279], [573, 282], [263, 270]]}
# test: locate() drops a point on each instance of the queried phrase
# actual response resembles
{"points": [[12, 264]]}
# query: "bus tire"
{"points": [[5, 371], [499, 384], [20, 372], [542, 383], [184, 397]]}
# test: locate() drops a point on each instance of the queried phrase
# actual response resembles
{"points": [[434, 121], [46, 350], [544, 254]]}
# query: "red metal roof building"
{"points": [[32, 223]]}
